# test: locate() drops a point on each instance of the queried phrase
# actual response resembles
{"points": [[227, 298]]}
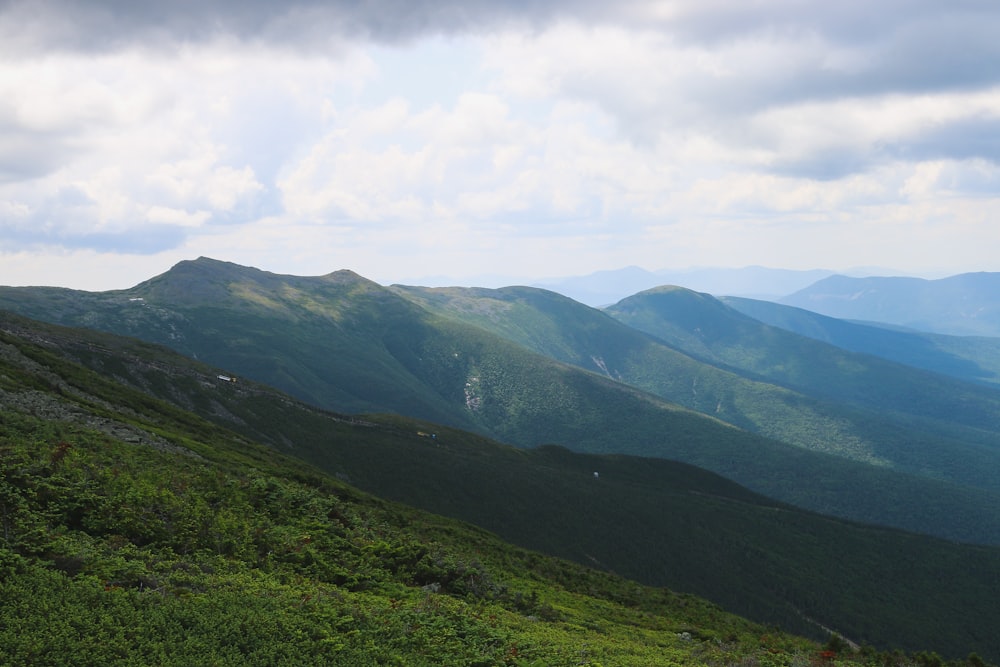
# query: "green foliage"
{"points": [[215, 499], [375, 348], [927, 445], [117, 552]]}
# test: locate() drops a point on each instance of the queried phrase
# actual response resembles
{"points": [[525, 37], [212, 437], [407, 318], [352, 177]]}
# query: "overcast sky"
{"points": [[527, 139]]}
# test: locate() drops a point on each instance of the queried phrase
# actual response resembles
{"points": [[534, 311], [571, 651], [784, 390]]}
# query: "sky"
{"points": [[478, 141]]}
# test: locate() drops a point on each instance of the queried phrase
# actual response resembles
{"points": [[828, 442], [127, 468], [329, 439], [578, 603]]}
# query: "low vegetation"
{"points": [[134, 534], [158, 477]]}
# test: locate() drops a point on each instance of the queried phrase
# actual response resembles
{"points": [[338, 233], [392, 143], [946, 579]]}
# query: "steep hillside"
{"points": [[567, 331], [706, 327], [964, 305], [969, 358], [162, 508], [135, 533], [754, 376]]}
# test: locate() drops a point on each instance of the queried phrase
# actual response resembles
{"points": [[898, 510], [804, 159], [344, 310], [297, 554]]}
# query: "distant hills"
{"points": [[961, 305], [964, 305], [971, 358], [604, 288], [142, 487]]}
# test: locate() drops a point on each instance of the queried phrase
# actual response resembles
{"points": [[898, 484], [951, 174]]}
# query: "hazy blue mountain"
{"points": [[607, 287], [963, 305], [971, 358]]}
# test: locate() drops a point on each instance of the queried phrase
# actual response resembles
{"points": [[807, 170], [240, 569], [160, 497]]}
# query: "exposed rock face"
{"points": [[64, 405]]}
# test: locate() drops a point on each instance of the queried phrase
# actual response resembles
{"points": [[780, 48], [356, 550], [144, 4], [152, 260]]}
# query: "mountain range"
{"points": [[344, 343], [144, 467], [963, 305], [603, 288], [819, 422], [863, 439]]}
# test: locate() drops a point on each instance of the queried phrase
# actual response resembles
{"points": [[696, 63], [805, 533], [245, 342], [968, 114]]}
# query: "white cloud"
{"points": [[138, 133], [479, 136]]}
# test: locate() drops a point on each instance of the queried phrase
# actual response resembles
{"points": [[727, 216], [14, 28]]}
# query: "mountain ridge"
{"points": [[349, 345], [556, 326], [963, 304], [603, 288], [970, 358]]}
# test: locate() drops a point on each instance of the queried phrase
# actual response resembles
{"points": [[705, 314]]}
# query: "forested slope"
{"points": [[655, 521]]}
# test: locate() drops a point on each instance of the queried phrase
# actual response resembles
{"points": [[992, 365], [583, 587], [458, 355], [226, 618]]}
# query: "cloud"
{"points": [[969, 137], [578, 130], [791, 103], [151, 142], [102, 25]]}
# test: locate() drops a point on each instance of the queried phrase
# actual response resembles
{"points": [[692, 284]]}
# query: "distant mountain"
{"points": [[709, 329], [602, 287], [970, 358], [607, 287], [964, 305], [199, 524]]}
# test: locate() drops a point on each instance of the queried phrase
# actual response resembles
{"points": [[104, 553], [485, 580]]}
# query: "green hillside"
{"points": [[711, 358], [344, 343], [910, 419], [970, 358], [136, 533], [651, 520]]}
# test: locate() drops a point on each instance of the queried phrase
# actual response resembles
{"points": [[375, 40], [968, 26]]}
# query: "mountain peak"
{"points": [[199, 280]]}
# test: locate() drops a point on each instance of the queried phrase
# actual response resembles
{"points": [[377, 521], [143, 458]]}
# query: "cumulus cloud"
{"points": [[626, 131]]}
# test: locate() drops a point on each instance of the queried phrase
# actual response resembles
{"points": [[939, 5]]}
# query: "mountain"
{"points": [[711, 358], [195, 541], [134, 532], [606, 287], [970, 358], [344, 343], [964, 305], [706, 327], [924, 422]]}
